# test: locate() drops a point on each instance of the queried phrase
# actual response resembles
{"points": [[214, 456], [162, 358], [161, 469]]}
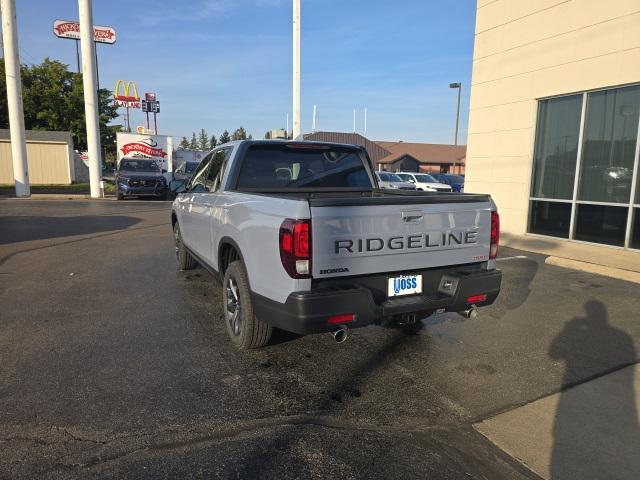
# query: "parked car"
{"points": [[302, 239], [185, 170], [393, 181], [424, 181], [182, 175], [140, 177], [455, 181]]}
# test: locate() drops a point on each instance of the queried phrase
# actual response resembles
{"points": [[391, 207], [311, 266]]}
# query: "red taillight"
{"points": [[295, 247], [338, 319], [495, 235], [477, 298]]}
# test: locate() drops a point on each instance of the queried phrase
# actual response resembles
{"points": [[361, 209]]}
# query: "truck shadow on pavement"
{"points": [[595, 432], [516, 285], [16, 229]]}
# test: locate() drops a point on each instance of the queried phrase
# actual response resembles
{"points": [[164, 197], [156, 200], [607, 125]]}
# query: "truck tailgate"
{"points": [[360, 237]]}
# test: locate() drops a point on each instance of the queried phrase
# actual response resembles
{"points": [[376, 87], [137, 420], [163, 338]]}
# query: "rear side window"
{"points": [[300, 167]]}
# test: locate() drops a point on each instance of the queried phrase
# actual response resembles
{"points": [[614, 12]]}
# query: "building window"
{"points": [[609, 145], [635, 232], [557, 135], [550, 218], [593, 135], [601, 224]]}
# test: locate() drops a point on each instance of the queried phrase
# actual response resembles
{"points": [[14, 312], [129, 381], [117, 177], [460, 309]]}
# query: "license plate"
{"points": [[404, 285]]}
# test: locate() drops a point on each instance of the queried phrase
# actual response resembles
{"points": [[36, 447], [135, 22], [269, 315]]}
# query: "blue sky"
{"points": [[219, 64]]}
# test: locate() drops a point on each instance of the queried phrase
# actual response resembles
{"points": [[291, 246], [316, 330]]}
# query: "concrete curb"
{"points": [[57, 196], [612, 272]]}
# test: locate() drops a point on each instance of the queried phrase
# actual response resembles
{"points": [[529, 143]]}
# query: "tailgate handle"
{"points": [[412, 217]]}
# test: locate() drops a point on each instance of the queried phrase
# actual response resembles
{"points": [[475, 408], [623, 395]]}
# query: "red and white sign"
{"points": [[84, 156], [144, 146], [137, 148], [70, 29], [150, 97]]}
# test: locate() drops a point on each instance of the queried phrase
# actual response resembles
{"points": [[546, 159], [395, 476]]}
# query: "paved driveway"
{"points": [[113, 364]]}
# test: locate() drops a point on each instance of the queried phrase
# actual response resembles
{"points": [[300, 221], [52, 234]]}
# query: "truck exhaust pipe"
{"points": [[471, 312], [340, 335]]}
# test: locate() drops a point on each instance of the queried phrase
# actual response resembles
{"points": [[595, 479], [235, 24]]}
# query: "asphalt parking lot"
{"points": [[115, 365]]}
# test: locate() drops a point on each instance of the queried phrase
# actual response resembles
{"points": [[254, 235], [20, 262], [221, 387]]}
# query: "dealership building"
{"points": [[554, 124]]}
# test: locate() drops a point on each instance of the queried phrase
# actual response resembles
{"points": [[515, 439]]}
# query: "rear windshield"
{"points": [[292, 167]]}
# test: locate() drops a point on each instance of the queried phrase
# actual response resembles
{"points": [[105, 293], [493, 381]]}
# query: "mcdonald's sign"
{"points": [[129, 97]]}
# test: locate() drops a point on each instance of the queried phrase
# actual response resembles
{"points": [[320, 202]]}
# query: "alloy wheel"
{"points": [[233, 307]]}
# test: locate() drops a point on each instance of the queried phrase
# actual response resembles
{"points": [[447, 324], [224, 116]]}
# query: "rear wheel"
{"points": [[184, 258], [244, 329]]}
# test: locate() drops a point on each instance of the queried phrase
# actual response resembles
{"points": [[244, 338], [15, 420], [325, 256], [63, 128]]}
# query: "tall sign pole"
{"points": [[89, 81], [296, 68], [457, 85], [14, 98]]}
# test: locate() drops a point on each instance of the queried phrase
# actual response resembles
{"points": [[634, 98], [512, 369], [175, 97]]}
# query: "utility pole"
{"points": [[365, 121], [14, 98], [354, 120], [457, 85], [296, 69], [89, 81], [313, 124]]}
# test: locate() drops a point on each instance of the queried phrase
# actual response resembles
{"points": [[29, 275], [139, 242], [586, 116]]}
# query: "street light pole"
{"points": [[89, 82], [457, 85], [296, 68], [14, 98]]}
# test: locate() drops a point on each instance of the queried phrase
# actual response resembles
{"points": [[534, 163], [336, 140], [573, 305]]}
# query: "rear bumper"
{"points": [[365, 297]]}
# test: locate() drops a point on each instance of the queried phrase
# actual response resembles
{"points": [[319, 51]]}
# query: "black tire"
{"points": [[184, 258], [119, 196], [244, 329]]}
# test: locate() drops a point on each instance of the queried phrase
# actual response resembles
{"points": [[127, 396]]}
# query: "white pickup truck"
{"points": [[302, 239]]}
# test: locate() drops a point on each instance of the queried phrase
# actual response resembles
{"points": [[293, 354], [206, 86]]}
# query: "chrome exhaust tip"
{"points": [[340, 335], [471, 312]]}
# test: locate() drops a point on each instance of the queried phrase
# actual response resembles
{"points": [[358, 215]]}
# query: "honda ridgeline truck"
{"points": [[302, 239]]}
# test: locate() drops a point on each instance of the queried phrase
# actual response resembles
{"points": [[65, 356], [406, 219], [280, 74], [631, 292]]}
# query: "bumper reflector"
{"points": [[477, 298], [337, 319]]}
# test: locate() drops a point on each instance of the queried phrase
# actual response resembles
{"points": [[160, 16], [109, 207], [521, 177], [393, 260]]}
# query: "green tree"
{"points": [[213, 142], [240, 134], [193, 144], [203, 140], [224, 138], [53, 99], [184, 144], [267, 135]]}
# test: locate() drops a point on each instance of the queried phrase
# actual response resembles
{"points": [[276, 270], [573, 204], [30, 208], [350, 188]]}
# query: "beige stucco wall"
{"points": [[49, 163], [530, 49]]}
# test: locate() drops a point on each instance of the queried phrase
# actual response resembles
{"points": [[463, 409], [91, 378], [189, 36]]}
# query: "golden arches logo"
{"points": [[126, 90]]}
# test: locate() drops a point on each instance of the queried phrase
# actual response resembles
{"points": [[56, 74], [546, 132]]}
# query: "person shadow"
{"points": [[596, 432]]}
